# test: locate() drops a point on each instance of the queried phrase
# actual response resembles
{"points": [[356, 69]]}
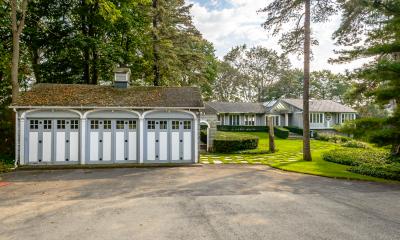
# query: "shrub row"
{"points": [[281, 132], [232, 142], [370, 162], [227, 128], [295, 130], [332, 138]]}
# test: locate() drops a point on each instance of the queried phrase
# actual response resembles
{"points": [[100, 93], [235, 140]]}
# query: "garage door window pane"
{"points": [[34, 124], [187, 125], [94, 124], [74, 124], [151, 124], [46, 124], [60, 124], [163, 124], [175, 125], [107, 124], [132, 124], [120, 124]]}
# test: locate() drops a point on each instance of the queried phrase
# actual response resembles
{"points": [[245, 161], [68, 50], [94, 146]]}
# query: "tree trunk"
{"points": [[95, 70], [271, 135], [156, 48], [306, 107], [86, 50], [16, 28]]}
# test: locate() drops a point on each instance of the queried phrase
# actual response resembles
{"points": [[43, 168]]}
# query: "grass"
{"points": [[289, 158]]}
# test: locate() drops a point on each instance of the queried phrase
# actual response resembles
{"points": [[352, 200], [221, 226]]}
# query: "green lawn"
{"points": [[289, 157]]}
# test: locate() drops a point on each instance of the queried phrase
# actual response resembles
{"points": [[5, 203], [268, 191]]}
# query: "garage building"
{"points": [[93, 124]]}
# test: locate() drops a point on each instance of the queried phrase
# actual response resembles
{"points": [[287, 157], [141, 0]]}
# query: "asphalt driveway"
{"points": [[209, 202]]}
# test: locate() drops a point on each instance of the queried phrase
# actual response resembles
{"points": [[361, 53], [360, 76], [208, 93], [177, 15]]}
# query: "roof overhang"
{"points": [[98, 107]]}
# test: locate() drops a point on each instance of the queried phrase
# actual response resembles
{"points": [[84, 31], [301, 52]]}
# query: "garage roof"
{"points": [[81, 95]]}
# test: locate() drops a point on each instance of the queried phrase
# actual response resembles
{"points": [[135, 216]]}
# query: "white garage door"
{"points": [[168, 140], [112, 140], [53, 141]]}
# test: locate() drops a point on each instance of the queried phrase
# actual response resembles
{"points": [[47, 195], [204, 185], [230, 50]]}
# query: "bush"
{"points": [[227, 128], [332, 138], [370, 162], [226, 142], [295, 130], [355, 144], [355, 157], [281, 132]]}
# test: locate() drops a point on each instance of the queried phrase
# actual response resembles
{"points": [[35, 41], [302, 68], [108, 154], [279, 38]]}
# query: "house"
{"points": [[93, 124], [324, 114]]}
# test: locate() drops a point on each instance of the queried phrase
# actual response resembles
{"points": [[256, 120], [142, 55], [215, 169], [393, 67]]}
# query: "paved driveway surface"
{"points": [[209, 202]]}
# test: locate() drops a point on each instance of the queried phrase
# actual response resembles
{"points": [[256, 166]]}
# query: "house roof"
{"points": [[86, 96], [241, 107], [320, 105]]}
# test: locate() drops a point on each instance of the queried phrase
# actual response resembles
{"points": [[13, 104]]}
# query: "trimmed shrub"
{"points": [[226, 142], [294, 130], [332, 138], [355, 157], [281, 132], [387, 171], [355, 144], [227, 128]]}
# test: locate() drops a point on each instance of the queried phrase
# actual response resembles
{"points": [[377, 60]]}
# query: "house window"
{"points": [[249, 120], [187, 125], [175, 125], [34, 124], [233, 120], [151, 124], [221, 118], [94, 124], [132, 124], [46, 124], [74, 124], [163, 124], [347, 117], [60, 124], [316, 118], [275, 119], [107, 124]]}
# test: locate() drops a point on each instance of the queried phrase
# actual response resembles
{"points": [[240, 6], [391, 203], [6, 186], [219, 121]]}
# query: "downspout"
{"points": [[16, 139]]}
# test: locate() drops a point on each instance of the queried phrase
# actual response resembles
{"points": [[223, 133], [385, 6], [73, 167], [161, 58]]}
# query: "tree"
{"points": [[17, 25], [289, 86], [372, 28], [298, 39], [327, 85]]}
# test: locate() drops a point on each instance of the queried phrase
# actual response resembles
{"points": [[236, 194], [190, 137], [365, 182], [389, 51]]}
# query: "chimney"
{"points": [[122, 77]]}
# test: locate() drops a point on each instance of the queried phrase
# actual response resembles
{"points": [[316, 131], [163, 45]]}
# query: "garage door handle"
{"points": [[101, 141], [40, 141], [67, 140], [157, 140], [180, 140], [126, 140]]}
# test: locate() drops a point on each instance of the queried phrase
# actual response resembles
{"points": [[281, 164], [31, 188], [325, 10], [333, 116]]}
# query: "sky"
{"points": [[228, 23]]}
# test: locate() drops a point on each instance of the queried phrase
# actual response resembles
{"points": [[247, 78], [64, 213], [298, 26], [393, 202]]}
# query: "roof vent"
{"points": [[122, 77]]}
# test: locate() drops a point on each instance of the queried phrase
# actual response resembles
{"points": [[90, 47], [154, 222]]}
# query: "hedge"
{"points": [[227, 142], [295, 130], [227, 128], [370, 162], [279, 132]]}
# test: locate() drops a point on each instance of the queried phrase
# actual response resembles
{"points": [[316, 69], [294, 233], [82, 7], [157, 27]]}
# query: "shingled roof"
{"points": [[241, 107], [320, 105], [86, 96]]}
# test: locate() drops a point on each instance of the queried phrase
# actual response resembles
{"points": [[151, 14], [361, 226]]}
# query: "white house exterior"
{"points": [[91, 124], [324, 114]]}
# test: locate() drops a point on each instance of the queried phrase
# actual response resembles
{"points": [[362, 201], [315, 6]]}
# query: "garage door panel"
{"points": [[175, 146], [33, 147], [107, 156], [94, 146], [60, 148], [119, 146], [74, 146], [187, 146], [132, 139], [151, 147], [47, 146], [163, 146]]}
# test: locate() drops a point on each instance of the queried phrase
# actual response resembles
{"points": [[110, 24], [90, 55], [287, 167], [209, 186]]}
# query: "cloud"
{"points": [[229, 23]]}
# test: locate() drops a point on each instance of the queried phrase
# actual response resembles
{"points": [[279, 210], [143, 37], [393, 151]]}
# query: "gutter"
{"points": [[95, 107]]}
